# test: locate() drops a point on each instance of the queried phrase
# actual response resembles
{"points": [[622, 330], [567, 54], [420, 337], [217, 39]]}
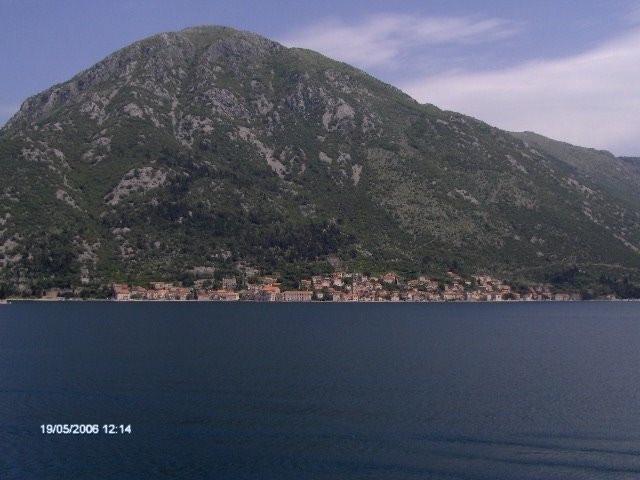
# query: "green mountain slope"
{"points": [[618, 176], [209, 147]]}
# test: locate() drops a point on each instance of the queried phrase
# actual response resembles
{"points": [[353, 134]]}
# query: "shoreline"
{"points": [[477, 302]]}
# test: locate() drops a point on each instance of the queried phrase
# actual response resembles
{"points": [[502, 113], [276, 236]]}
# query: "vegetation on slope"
{"points": [[213, 147]]}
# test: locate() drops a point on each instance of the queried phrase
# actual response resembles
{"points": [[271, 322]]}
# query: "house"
{"points": [[246, 294], [474, 296], [203, 295], [431, 285], [139, 293], [229, 283], [152, 295], [182, 293], [453, 295], [51, 293], [390, 278], [267, 293], [202, 282], [225, 296], [296, 296], [121, 292], [171, 294], [483, 279]]}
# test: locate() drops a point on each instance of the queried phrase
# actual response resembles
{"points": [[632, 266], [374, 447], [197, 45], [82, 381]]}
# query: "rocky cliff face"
{"points": [[209, 147]]}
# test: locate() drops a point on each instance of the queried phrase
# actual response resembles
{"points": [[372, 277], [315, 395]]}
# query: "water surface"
{"points": [[306, 391]]}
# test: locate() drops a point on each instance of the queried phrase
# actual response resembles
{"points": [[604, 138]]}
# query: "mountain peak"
{"points": [[206, 35], [162, 57]]}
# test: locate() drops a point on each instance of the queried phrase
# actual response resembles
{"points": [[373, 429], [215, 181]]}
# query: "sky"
{"points": [[568, 69]]}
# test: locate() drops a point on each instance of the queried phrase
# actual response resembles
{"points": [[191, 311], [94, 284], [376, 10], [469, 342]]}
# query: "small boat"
{"points": [[4, 301]]}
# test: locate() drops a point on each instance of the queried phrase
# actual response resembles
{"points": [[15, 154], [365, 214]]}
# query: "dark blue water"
{"points": [[346, 391]]}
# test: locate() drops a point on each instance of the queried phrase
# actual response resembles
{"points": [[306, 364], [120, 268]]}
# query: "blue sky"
{"points": [[567, 69]]}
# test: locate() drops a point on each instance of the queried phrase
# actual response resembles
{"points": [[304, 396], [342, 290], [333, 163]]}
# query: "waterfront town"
{"points": [[342, 287]]}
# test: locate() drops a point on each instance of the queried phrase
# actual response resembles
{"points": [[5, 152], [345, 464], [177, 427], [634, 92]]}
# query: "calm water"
{"points": [[260, 391]]}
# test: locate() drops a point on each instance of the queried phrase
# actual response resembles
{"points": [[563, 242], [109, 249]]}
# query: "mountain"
{"points": [[631, 160], [212, 147], [620, 176]]}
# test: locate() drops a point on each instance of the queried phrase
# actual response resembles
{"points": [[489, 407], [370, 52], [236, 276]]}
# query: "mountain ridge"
{"points": [[618, 174]]}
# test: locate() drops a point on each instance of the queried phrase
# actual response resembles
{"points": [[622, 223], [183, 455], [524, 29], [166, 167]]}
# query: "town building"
{"points": [[225, 296], [121, 292], [229, 283], [297, 296], [267, 293]]}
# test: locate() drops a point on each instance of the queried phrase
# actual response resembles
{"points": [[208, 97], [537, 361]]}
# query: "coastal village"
{"points": [[343, 287]]}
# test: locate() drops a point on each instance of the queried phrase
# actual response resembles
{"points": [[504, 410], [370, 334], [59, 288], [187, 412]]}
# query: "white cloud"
{"points": [[590, 99], [380, 39]]}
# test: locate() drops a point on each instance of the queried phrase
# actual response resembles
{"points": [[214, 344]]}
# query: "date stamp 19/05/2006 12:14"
{"points": [[85, 429]]}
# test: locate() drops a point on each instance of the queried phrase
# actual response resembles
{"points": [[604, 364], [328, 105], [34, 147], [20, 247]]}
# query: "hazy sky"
{"points": [[567, 69]]}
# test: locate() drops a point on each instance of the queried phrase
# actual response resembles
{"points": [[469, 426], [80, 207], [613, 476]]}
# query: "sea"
{"points": [[190, 390]]}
